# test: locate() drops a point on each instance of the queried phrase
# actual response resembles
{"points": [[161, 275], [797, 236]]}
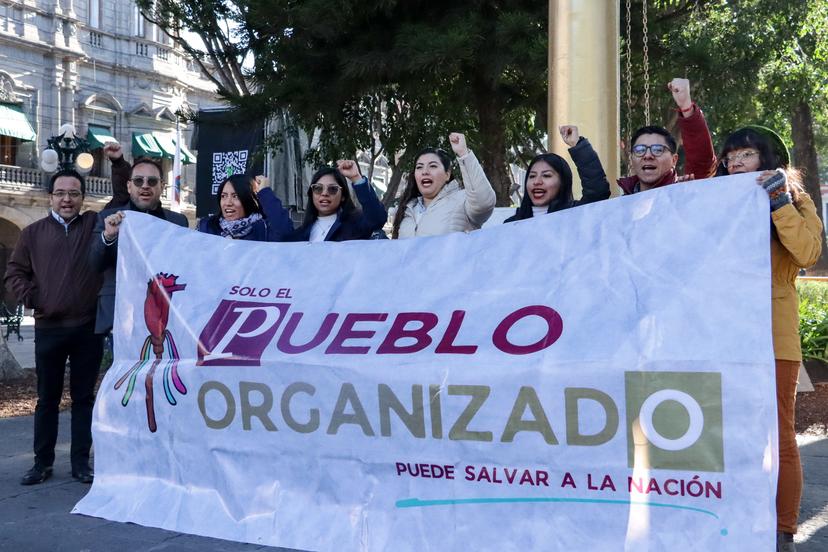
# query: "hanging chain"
{"points": [[646, 66], [629, 81]]}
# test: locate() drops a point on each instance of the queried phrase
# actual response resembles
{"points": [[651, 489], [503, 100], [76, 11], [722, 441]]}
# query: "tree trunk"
{"points": [[493, 147], [805, 159], [9, 367], [393, 186]]}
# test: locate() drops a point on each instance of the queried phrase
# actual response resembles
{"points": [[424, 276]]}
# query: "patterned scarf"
{"points": [[238, 229]]}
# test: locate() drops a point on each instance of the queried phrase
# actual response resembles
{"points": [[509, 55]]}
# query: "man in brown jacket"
{"points": [[49, 272]]}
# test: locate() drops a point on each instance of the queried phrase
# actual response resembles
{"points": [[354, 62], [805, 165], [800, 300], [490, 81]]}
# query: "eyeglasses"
{"points": [[71, 194], [332, 189], [152, 181], [740, 157], [656, 149]]}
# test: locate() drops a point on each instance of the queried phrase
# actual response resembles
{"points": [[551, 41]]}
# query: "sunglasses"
{"points": [[656, 149], [319, 189], [73, 194], [152, 181]]}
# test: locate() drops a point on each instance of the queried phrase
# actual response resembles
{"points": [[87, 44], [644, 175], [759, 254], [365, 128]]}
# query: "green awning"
{"points": [[98, 136], [145, 145], [13, 122], [167, 144]]}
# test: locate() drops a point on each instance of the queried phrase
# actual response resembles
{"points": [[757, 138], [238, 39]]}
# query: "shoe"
{"points": [[784, 542], [38, 474], [84, 474]]}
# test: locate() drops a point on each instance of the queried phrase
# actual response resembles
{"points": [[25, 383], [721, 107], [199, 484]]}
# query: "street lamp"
{"points": [[67, 151]]}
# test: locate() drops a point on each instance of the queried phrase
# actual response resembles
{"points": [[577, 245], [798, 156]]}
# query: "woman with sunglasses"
{"points": [[331, 214], [435, 204], [547, 187], [247, 212], [796, 242]]}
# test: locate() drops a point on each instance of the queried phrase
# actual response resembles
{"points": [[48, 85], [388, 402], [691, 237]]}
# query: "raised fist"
{"points": [[570, 135], [680, 88], [260, 182], [113, 150], [458, 144], [349, 169]]}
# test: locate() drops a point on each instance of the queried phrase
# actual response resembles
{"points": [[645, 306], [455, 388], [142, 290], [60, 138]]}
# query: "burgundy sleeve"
{"points": [[699, 157]]}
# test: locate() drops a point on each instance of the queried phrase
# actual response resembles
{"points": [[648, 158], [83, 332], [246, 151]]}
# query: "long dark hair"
{"points": [[562, 200], [243, 185], [411, 189], [347, 207], [773, 154]]}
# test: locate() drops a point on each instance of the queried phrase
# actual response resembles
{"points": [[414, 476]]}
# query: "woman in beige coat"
{"points": [[434, 204], [796, 242]]}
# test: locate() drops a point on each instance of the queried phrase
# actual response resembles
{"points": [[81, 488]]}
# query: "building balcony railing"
{"points": [[24, 179]]}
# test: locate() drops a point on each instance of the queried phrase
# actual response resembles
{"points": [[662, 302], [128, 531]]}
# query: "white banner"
{"points": [[601, 377]]}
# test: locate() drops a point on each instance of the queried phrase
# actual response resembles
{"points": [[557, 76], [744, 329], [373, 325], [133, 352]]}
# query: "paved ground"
{"points": [[37, 518]]}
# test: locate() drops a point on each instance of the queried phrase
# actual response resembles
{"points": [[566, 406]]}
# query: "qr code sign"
{"points": [[227, 163]]}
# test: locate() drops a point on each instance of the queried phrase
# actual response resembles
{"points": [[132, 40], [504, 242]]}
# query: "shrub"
{"points": [[813, 319]]}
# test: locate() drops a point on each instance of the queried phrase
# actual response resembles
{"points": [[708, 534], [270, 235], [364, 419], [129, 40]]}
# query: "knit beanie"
{"points": [[778, 144]]}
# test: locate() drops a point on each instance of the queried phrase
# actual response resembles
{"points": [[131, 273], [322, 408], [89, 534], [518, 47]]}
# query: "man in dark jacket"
{"points": [[144, 183], [49, 273], [653, 155]]}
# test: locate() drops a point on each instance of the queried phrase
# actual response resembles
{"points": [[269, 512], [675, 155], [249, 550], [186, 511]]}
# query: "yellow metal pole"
{"points": [[584, 78]]}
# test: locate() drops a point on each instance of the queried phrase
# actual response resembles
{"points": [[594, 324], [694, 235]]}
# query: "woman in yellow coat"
{"points": [[796, 242]]}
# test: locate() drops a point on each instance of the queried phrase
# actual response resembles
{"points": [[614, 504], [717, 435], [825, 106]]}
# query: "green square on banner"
{"points": [[674, 420]]}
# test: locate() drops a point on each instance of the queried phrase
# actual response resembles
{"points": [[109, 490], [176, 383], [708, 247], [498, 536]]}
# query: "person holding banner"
{"points": [[331, 214], [796, 242], [434, 204], [247, 212], [653, 155], [547, 187], [144, 184]]}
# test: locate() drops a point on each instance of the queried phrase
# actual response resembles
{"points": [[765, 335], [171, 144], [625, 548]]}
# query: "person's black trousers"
{"points": [[84, 349]]}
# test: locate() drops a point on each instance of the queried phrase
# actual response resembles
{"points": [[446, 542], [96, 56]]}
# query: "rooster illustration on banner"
{"points": [[159, 347]]}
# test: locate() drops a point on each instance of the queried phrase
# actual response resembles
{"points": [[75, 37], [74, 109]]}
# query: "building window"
{"points": [[163, 37], [95, 14], [140, 29], [141, 49], [8, 150], [163, 53], [96, 39]]}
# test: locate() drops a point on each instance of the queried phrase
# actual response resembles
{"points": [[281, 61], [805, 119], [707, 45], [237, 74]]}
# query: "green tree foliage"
{"points": [[477, 67], [749, 61], [219, 50]]}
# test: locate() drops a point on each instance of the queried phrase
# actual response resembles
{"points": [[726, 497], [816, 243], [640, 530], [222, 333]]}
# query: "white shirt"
{"points": [[538, 211], [321, 227], [64, 223]]}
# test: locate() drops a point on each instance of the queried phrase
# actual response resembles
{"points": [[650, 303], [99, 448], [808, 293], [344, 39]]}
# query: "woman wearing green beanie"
{"points": [[796, 242]]}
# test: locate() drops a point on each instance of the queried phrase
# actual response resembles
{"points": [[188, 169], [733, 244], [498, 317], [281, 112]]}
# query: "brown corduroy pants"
{"points": [[789, 487]]}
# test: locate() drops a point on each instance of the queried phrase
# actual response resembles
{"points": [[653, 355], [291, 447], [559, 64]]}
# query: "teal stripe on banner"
{"points": [[417, 503]]}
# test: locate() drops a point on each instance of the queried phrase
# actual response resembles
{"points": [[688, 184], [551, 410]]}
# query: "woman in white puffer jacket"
{"points": [[434, 204]]}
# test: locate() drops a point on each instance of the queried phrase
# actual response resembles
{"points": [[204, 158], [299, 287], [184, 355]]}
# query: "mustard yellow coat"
{"points": [[796, 243]]}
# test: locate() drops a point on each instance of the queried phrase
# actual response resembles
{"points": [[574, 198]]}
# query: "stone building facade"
{"points": [[98, 65]]}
